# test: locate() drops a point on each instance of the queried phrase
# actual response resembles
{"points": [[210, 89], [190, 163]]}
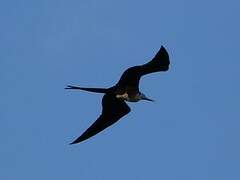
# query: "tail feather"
{"points": [[96, 90]]}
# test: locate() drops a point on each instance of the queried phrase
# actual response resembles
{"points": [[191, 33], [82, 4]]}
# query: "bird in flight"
{"points": [[114, 106]]}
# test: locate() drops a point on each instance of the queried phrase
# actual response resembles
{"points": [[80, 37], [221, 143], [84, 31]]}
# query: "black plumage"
{"points": [[114, 106]]}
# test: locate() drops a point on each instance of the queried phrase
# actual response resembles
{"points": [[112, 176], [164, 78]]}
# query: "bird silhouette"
{"points": [[114, 106]]}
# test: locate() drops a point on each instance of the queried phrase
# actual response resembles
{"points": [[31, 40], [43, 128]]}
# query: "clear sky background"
{"points": [[191, 132]]}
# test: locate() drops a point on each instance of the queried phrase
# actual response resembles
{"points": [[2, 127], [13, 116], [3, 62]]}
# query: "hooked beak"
{"points": [[147, 99]]}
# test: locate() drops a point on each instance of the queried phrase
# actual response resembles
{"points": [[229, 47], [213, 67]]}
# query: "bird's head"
{"points": [[144, 97]]}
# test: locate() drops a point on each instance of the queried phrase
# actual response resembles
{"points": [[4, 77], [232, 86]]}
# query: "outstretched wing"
{"points": [[113, 110], [131, 77]]}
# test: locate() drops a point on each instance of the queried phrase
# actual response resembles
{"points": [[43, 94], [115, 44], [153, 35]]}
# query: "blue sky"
{"points": [[190, 132]]}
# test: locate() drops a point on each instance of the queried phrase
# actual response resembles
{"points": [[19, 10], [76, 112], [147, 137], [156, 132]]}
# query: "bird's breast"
{"points": [[131, 98]]}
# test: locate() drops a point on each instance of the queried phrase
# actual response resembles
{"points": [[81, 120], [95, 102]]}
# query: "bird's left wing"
{"points": [[113, 110], [132, 75]]}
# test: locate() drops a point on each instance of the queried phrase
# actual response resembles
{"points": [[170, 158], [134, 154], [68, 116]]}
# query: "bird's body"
{"points": [[128, 98], [127, 89]]}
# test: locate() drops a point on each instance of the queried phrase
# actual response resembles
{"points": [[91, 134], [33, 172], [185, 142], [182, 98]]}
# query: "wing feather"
{"points": [[113, 110], [132, 75]]}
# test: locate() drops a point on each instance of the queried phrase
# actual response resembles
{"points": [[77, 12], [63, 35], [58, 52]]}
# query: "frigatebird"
{"points": [[114, 106]]}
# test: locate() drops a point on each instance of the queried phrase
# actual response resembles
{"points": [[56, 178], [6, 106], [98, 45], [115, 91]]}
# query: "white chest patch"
{"points": [[126, 97], [122, 96]]}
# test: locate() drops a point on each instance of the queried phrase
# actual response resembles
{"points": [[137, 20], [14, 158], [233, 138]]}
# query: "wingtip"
{"points": [[78, 140], [164, 51], [74, 142], [163, 48]]}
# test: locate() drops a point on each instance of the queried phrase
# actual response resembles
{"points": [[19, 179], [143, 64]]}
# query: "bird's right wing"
{"points": [[113, 110], [160, 62], [132, 75]]}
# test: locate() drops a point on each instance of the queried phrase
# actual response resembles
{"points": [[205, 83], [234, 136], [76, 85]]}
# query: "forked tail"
{"points": [[96, 90]]}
